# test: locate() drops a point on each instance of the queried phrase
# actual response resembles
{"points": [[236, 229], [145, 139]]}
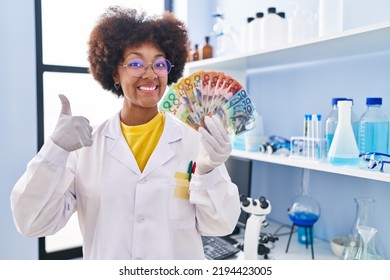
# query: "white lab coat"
{"points": [[123, 213]]}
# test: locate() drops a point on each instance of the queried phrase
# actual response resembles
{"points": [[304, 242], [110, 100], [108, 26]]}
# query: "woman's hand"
{"points": [[215, 147], [71, 132]]}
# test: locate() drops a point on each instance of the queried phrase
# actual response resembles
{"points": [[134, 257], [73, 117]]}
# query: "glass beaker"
{"points": [[358, 248]]}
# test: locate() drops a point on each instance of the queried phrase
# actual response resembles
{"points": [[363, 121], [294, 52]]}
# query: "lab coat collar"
{"points": [[118, 148]]}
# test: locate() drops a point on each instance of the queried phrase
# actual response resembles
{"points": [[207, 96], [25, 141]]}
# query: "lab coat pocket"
{"points": [[181, 211]]}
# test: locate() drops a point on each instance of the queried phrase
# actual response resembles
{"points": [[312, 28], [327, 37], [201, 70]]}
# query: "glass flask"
{"points": [[305, 210], [362, 244]]}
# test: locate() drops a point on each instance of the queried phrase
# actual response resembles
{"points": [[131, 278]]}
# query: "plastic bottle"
{"points": [[274, 30], [330, 18], [355, 123], [300, 26], [245, 36], [207, 49], [255, 32], [227, 38], [344, 150], [374, 128], [331, 122]]}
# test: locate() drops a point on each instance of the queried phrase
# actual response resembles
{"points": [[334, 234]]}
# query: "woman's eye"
{"points": [[135, 64], [160, 65]]}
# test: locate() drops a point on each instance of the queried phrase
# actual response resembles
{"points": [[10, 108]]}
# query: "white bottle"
{"points": [[299, 26], [274, 30], [255, 32], [245, 36], [330, 19]]}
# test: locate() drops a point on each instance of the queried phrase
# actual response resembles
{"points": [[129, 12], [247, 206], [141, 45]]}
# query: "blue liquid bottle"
{"points": [[344, 150], [374, 128]]}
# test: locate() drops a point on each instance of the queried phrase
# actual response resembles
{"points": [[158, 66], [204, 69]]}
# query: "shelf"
{"points": [[353, 42], [313, 165]]}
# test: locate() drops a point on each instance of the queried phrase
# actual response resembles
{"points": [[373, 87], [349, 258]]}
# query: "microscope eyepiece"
{"points": [[263, 202]]}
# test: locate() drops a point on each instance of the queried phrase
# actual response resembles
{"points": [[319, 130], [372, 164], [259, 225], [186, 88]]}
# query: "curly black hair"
{"points": [[120, 28]]}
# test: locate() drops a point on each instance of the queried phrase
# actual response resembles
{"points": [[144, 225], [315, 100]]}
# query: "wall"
{"points": [[18, 141]]}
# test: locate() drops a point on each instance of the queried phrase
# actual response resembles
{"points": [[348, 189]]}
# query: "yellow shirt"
{"points": [[143, 139]]}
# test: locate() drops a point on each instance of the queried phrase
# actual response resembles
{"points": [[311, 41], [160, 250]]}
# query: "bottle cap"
{"points": [[336, 99], [259, 15], [272, 10], [249, 19], [374, 101], [282, 14]]}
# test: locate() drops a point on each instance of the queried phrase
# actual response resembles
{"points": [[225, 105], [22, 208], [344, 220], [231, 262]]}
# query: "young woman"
{"points": [[130, 180]]}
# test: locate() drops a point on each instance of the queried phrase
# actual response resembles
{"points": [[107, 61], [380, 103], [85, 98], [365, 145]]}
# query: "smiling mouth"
{"points": [[150, 88]]}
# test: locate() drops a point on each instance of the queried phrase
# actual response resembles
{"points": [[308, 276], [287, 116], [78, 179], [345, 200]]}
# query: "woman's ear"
{"points": [[115, 77]]}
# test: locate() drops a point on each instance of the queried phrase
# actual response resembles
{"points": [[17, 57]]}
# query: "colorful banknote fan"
{"points": [[207, 93]]}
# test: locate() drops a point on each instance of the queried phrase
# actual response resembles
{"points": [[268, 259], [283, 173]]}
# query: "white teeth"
{"points": [[148, 88]]}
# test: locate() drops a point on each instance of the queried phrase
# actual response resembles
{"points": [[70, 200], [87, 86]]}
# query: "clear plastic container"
{"points": [[331, 14], [331, 121], [344, 150], [374, 128]]}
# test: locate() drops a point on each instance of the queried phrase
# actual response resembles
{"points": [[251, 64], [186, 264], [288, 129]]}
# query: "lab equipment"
{"points": [[245, 36], [312, 146], [344, 150], [331, 122], [274, 32], [374, 128], [331, 16], [304, 213], [302, 25], [375, 161], [258, 209], [361, 243], [207, 49], [255, 32], [227, 38]]}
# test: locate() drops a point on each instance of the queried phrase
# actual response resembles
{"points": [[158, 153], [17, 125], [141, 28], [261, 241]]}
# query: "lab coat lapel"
{"points": [[163, 151], [117, 145]]}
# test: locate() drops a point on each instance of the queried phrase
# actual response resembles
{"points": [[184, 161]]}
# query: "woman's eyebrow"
{"points": [[141, 55]]}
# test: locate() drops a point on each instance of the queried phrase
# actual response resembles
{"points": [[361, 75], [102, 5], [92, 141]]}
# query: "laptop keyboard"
{"points": [[217, 248]]}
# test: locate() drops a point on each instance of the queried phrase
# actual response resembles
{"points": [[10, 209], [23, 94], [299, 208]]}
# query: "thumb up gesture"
{"points": [[71, 132]]}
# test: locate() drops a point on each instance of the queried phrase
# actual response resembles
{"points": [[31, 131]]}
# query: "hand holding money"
{"points": [[206, 93], [215, 146]]}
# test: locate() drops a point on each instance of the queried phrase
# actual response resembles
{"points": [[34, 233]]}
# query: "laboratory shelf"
{"points": [[313, 165], [353, 42]]}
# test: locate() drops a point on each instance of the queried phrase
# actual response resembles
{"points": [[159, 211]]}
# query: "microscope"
{"points": [[258, 209]]}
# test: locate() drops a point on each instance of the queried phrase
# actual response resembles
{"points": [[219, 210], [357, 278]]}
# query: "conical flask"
{"points": [[362, 243], [344, 150]]}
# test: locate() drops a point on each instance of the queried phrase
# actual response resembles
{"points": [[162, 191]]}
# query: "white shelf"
{"points": [[313, 165], [359, 41]]}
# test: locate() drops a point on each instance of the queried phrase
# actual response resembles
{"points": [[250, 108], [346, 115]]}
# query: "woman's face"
{"points": [[145, 91]]}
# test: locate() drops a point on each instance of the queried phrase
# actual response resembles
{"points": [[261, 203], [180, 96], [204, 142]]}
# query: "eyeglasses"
{"points": [[375, 161], [137, 67]]}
